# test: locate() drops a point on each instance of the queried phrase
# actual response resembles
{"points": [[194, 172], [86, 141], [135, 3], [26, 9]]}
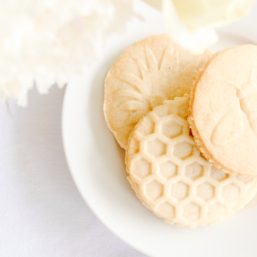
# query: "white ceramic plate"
{"points": [[97, 162]]}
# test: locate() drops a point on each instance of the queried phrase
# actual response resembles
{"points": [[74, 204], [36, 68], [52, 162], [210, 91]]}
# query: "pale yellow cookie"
{"points": [[149, 72], [223, 110], [172, 179]]}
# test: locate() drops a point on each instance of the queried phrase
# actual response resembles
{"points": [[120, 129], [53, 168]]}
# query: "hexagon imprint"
{"points": [[230, 192], [141, 168], [156, 147], [191, 211], [146, 127], [179, 190], [168, 170], [171, 129], [218, 174], [167, 210], [205, 191], [154, 189], [194, 170], [183, 150], [215, 211]]}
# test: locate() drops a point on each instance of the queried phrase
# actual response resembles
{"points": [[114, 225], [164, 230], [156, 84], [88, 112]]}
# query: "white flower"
{"points": [[192, 23], [44, 42]]}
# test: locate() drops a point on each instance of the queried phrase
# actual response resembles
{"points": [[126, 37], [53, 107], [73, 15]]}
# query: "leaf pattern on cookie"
{"points": [[150, 60], [130, 93], [137, 95], [131, 105], [167, 59], [134, 82]]}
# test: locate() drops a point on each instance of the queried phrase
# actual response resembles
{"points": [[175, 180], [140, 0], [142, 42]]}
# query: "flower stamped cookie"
{"points": [[172, 179], [144, 76], [223, 110]]}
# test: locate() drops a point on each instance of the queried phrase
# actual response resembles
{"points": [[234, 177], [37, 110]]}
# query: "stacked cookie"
{"points": [[189, 127]]}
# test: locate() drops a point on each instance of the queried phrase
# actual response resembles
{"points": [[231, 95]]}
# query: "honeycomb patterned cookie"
{"points": [[170, 176]]}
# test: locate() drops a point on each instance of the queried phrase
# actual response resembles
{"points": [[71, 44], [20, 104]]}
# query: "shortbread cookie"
{"points": [[149, 72], [223, 110], [170, 176]]}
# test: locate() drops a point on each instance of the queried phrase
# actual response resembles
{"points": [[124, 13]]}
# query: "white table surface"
{"points": [[41, 211]]}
